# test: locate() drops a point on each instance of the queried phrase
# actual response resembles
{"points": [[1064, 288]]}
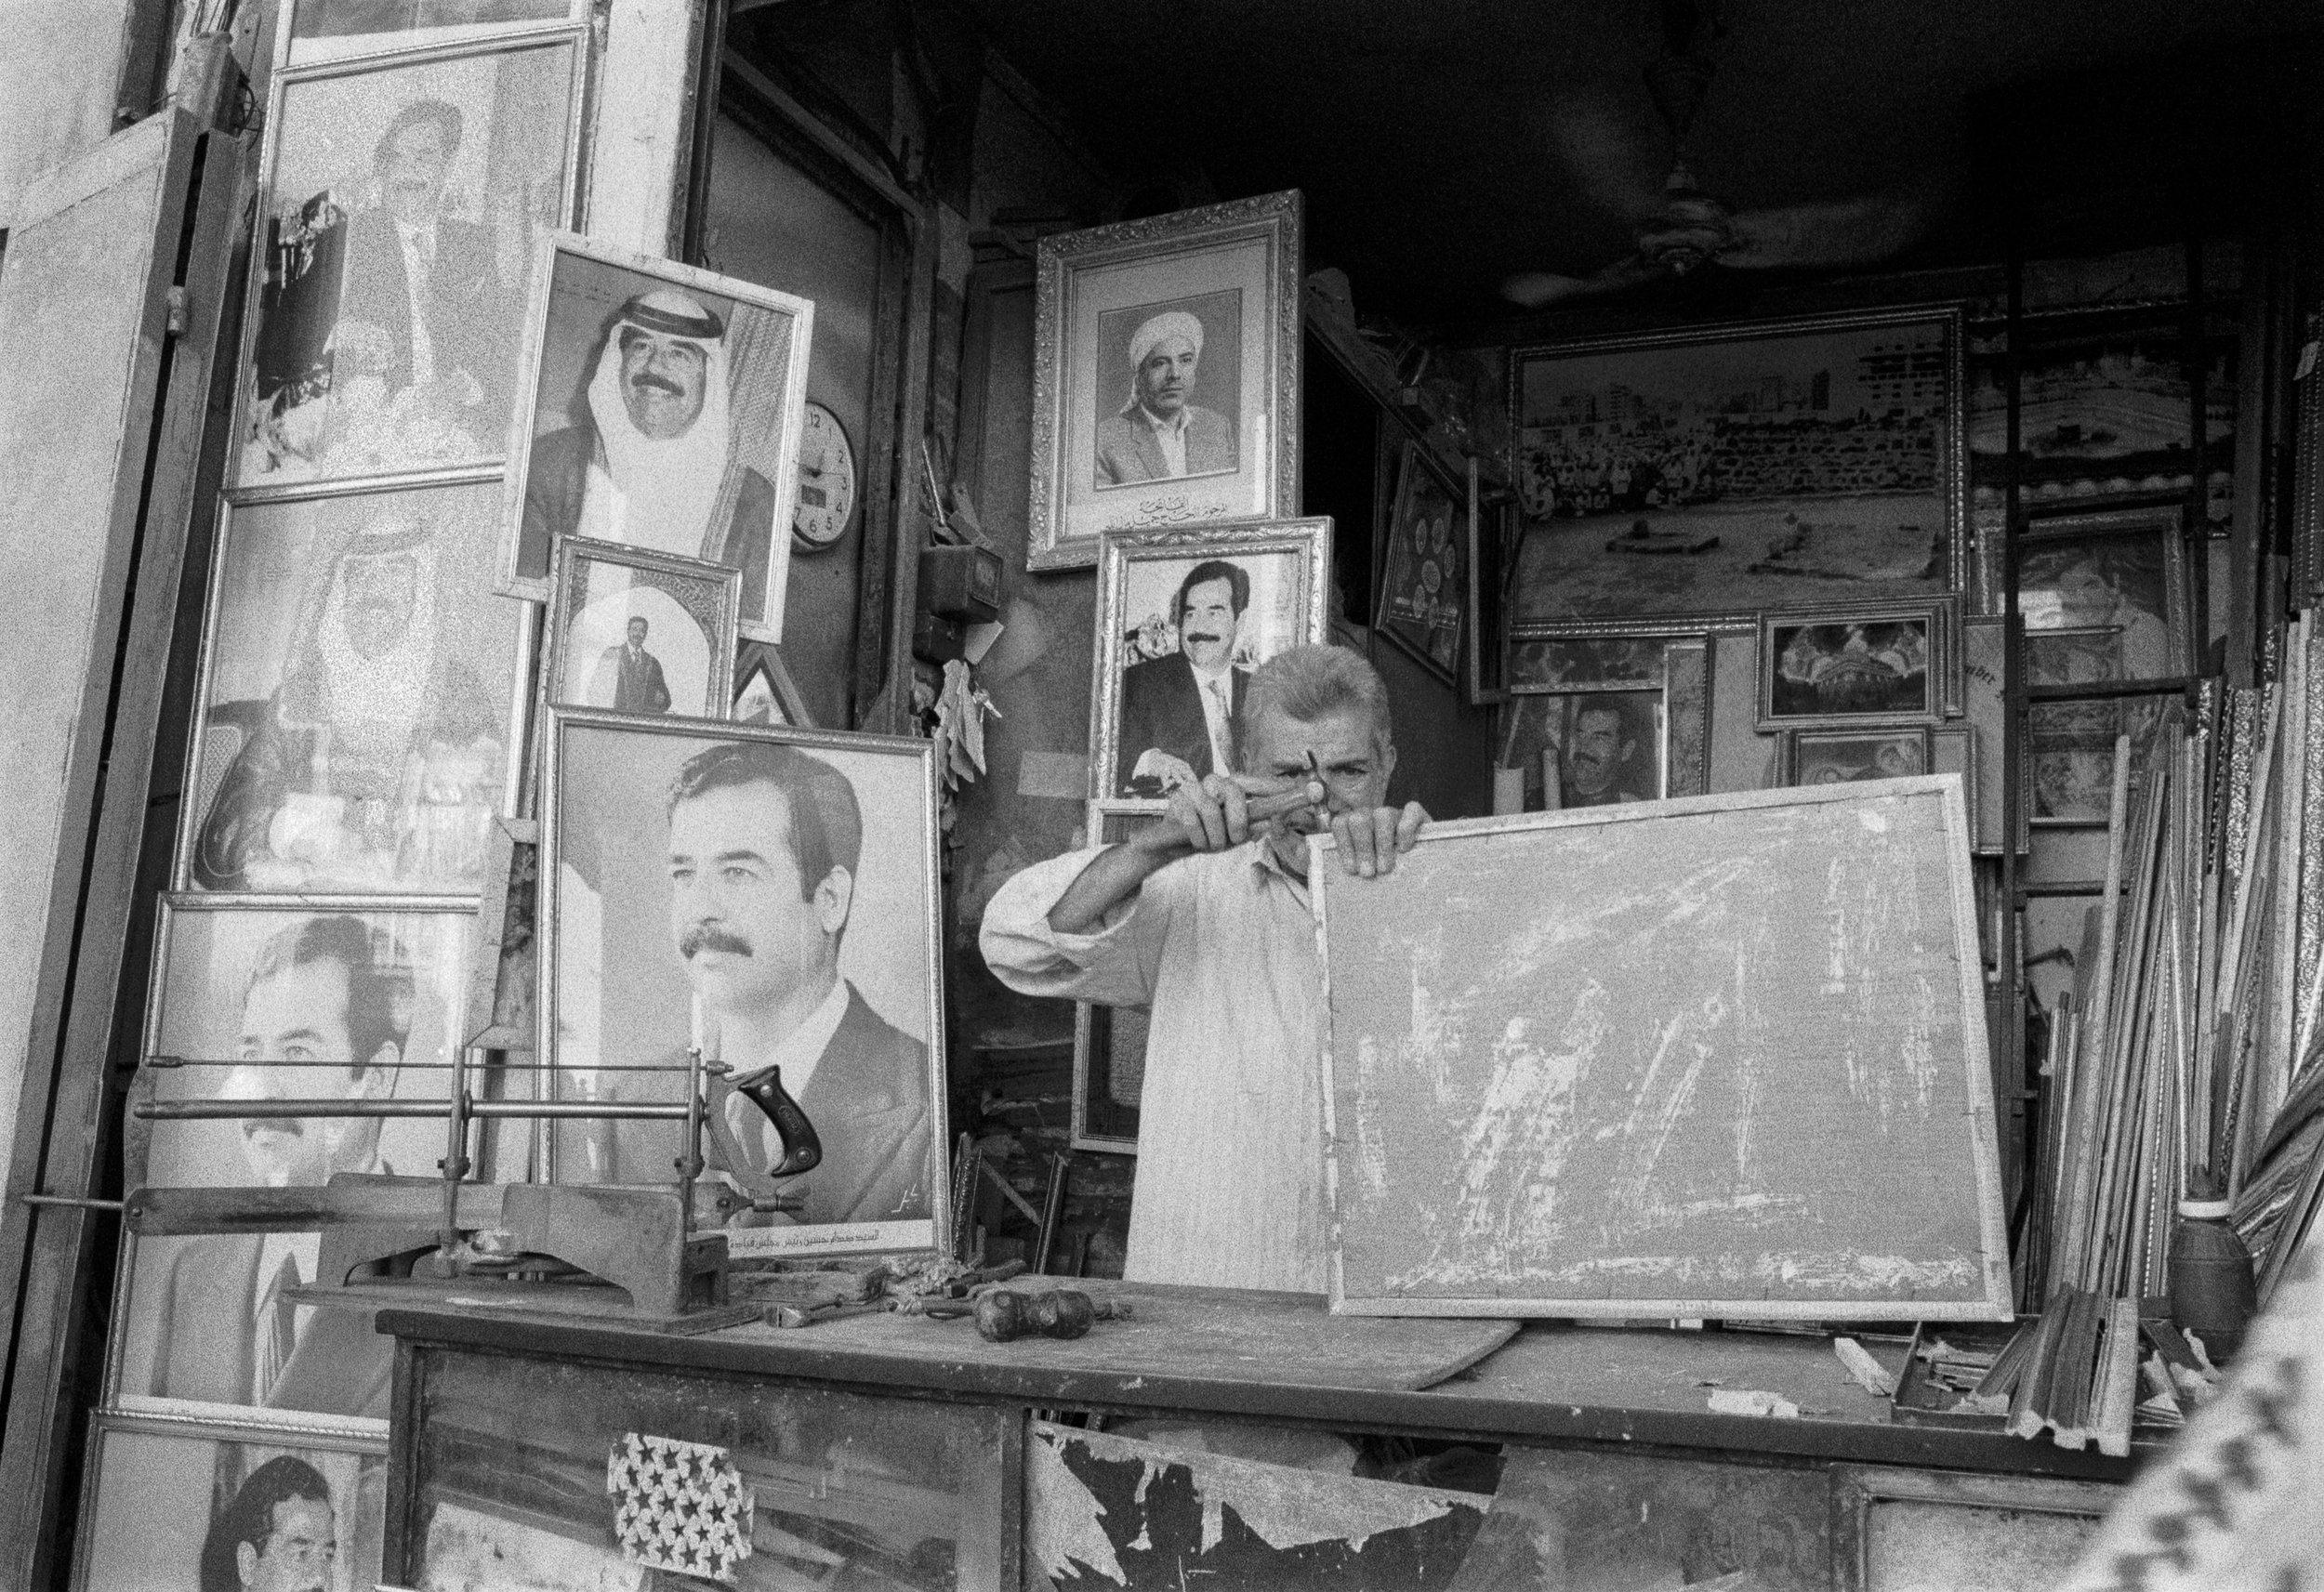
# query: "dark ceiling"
{"points": [[1443, 144]]}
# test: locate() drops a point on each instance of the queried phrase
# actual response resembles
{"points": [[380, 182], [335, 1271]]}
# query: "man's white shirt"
{"points": [[1170, 437]]}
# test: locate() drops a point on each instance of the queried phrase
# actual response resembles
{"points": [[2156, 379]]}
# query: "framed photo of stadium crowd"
{"points": [[1718, 473]]}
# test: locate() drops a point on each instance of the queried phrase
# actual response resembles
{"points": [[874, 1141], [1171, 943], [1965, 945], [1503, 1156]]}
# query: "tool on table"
{"points": [[808, 1315], [635, 1252], [1005, 1314]]}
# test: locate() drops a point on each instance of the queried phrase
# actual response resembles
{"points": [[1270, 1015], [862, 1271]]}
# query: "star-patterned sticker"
{"points": [[680, 1506]]}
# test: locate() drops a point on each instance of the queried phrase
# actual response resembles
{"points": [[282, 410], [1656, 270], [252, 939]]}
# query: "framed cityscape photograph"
{"points": [[403, 197], [770, 895], [633, 631], [1183, 616], [658, 406], [357, 726], [1715, 473], [1166, 385], [1879, 664]]}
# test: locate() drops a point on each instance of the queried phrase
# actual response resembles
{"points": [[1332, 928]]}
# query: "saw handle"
{"points": [[802, 1152]]}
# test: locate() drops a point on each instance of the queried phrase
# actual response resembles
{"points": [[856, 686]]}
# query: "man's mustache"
{"points": [[1204, 635], [706, 937], [661, 383]]}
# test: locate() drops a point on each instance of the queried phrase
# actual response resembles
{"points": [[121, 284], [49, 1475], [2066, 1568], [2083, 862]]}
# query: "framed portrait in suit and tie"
{"points": [[636, 631], [1165, 375], [768, 894], [1183, 618], [323, 1000]]}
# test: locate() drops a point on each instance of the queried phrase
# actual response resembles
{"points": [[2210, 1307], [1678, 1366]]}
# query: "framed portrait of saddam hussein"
{"points": [[1183, 618], [356, 713], [1715, 473], [659, 407], [1165, 375], [402, 197], [769, 894]]}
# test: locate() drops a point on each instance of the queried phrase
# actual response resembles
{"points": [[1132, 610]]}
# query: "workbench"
{"points": [[1208, 1436]]}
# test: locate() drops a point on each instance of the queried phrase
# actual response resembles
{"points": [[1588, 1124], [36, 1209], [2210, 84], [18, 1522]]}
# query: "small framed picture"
{"points": [[1879, 664], [1842, 756], [1596, 748], [169, 1506], [632, 631], [1183, 618], [2121, 575], [1165, 375], [1109, 1042], [1424, 572], [403, 197], [658, 406], [765, 692], [770, 895]]}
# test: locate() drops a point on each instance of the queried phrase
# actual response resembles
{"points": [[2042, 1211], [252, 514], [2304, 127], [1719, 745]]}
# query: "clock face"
{"points": [[827, 482]]}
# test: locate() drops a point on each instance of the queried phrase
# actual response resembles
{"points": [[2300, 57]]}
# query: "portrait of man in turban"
{"points": [[651, 459], [1160, 433]]}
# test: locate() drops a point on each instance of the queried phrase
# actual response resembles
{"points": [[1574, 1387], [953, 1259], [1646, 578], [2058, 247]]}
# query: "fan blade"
{"points": [[1828, 232], [1609, 152], [1540, 289]]}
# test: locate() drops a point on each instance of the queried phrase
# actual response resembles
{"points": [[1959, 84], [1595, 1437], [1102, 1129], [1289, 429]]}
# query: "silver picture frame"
{"points": [[1236, 269], [578, 289], [630, 901], [708, 596], [1846, 688], [1140, 573]]}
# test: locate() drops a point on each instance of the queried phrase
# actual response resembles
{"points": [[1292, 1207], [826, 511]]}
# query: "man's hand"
{"points": [[1369, 842], [1224, 810]]}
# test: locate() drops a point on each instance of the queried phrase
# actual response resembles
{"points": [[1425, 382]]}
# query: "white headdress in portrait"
{"points": [[377, 702], [651, 492], [1155, 329]]}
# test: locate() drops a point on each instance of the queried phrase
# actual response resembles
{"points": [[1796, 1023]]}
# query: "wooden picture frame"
{"points": [[1147, 681], [1859, 664], [1528, 1178], [1234, 271], [2014, 1503], [1844, 757], [1428, 569], [763, 688], [623, 949], [633, 631], [728, 371], [1683, 447]]}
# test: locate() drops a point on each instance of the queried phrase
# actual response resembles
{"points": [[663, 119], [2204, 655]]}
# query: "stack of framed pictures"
{"points": [[357, 748]]}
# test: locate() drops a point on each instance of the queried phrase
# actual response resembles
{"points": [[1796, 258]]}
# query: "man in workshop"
{"points": [[764, 846], [323, 1016], [1159, 435], [1203, 916]]}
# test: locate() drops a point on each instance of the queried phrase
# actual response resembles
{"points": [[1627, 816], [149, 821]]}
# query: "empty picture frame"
{"points": [[1588, 1064], [1165, 375]]}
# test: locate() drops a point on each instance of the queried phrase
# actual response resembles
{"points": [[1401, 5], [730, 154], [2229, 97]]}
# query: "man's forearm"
{"points": [[1111, 878]]}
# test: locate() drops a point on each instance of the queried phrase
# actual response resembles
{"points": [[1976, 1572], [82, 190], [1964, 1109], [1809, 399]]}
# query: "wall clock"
{"points": [[827, 482]]}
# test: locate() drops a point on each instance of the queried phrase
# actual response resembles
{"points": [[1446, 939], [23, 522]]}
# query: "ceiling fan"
{"points": [[1683, 228]]}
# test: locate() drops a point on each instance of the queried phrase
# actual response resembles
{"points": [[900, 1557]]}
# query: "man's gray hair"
{"points": [[1307, 683]]}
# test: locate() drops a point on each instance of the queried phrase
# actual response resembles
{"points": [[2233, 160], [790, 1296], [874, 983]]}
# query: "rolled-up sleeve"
{"points": [[1114, 967]]}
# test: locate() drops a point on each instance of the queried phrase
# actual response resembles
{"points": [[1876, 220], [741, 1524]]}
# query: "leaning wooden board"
{"points": [[1717, 1057], [1229, 1334]]}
